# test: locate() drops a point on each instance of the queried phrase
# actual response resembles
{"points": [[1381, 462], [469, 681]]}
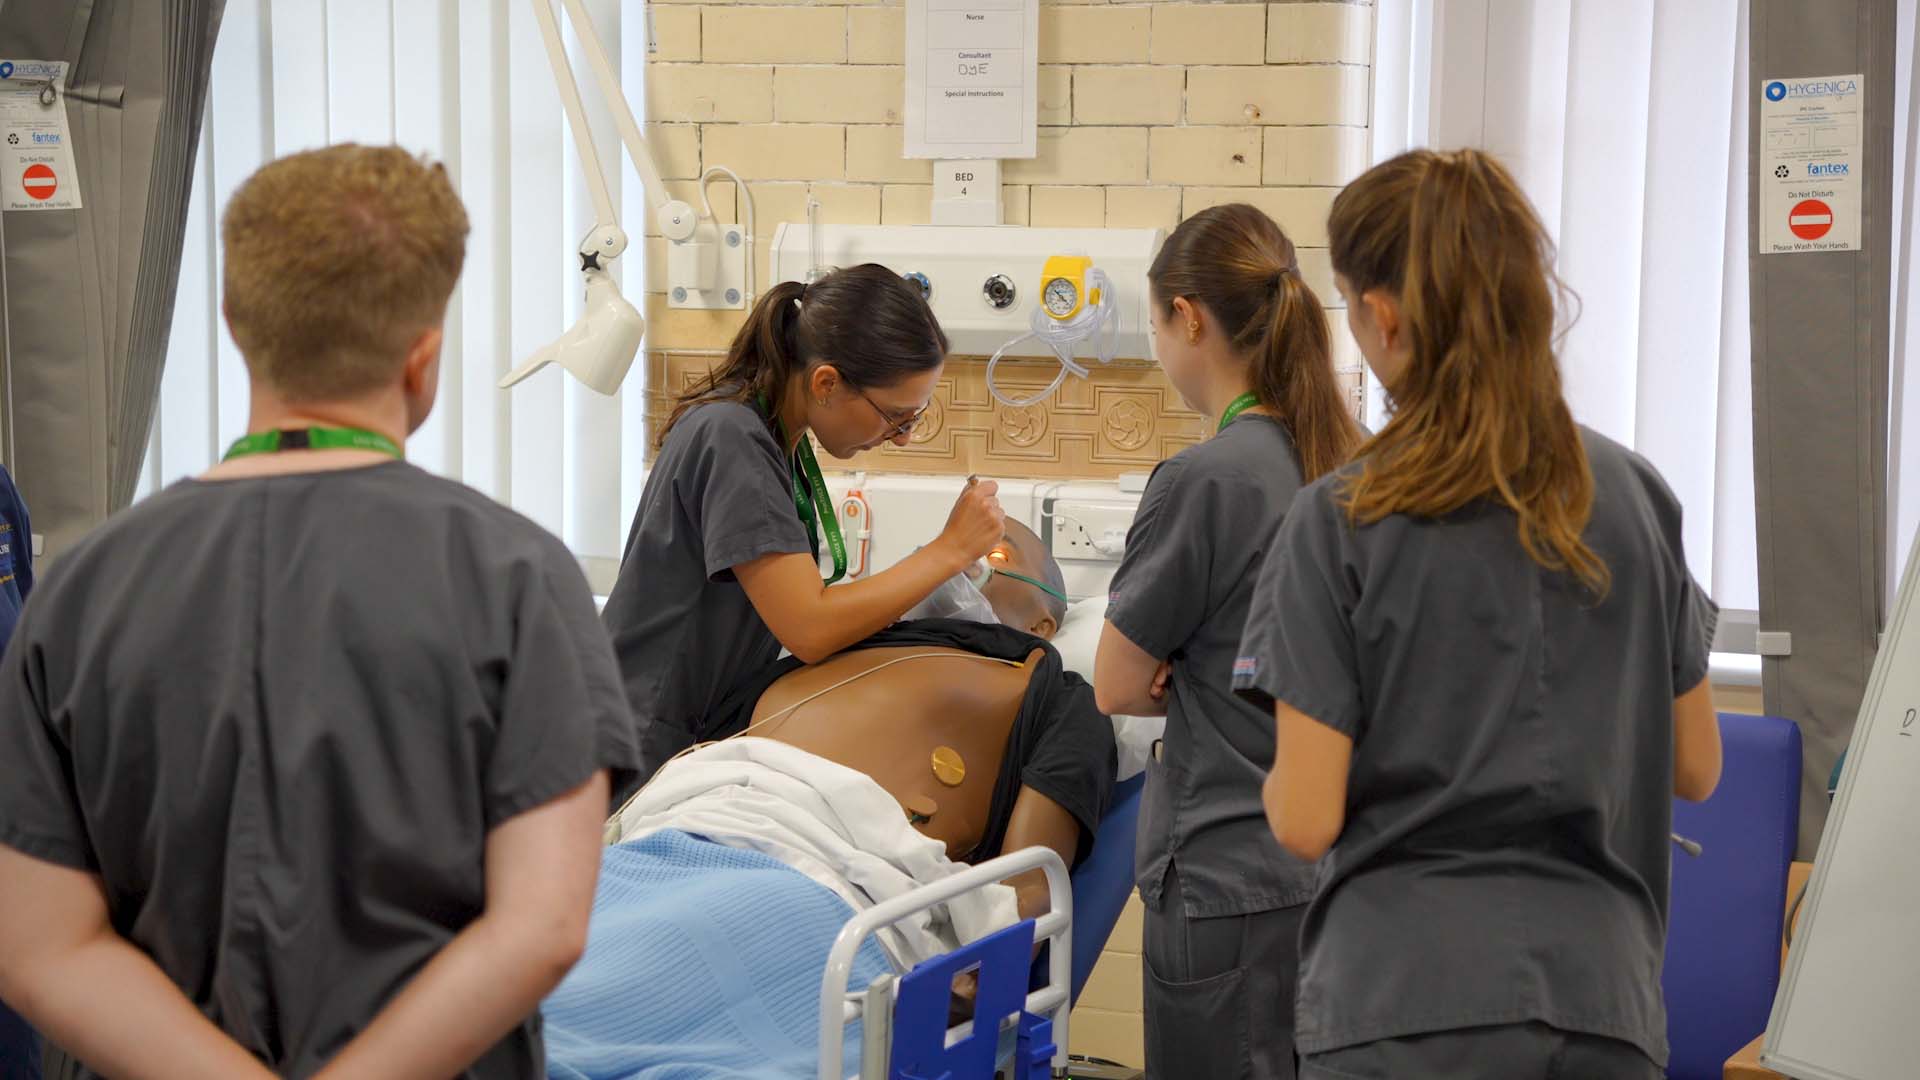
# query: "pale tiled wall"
{"points": [[1148, 112], [1739, 699], [1106, 1021]]}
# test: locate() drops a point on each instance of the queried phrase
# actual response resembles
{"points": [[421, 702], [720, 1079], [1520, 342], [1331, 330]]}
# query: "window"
{"points": [[469, 84], [1626, 124]]}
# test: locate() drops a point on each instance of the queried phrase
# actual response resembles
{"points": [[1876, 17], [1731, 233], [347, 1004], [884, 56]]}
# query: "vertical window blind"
{"points": [[467, 83]]}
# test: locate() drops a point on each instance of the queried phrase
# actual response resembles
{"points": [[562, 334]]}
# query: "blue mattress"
{"points": [[686, 976], [1104, 880]]}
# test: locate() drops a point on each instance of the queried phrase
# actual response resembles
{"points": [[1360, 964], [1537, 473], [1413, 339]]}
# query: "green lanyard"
{"points": [[1235, 408], [272, 442], [806, 475]]}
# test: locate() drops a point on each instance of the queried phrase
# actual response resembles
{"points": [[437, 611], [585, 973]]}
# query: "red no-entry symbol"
{"points": [[1810, 219], [39, 181]]}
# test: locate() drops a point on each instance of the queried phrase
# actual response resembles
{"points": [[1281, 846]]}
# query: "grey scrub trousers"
{"points": [[1223, 901], [683, 629], [1505, 861]]}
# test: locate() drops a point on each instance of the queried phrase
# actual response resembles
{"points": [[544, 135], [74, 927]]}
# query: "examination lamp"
{"points": [[600, 347]]}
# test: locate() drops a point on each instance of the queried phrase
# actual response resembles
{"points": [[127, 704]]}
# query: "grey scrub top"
{"points": [[278, 717], [719, 495], [1506, 852], [1195, 549]]}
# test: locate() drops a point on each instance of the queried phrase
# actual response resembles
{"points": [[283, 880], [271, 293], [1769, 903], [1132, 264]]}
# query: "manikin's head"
{"points": [[1022, 604]]}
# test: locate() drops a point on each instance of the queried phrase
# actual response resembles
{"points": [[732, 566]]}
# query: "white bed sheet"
{"points": [[831, 823]]}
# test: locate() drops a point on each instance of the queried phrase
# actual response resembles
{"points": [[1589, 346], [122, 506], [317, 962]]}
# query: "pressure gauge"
{"points": [[1061, 297], [1063, 286]]}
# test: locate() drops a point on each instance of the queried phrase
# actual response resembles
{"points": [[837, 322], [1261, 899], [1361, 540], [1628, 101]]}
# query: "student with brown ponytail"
{"points": [[720, 569], [1487, 664], [1244, 340]]}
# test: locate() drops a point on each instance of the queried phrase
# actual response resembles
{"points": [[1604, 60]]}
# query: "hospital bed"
{"points": [[1104, 879], [749, 818], [906, 1034]]}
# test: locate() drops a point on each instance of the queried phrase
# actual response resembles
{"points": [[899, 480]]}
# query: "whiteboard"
{"points": [[1849, 1006]]}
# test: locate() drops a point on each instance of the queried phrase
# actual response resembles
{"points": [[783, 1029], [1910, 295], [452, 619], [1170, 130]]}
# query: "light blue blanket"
{"points": [[702, 961]]}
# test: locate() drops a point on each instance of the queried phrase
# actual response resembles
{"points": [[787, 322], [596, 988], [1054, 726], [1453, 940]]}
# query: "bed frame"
{"points": [[896, 1031]]}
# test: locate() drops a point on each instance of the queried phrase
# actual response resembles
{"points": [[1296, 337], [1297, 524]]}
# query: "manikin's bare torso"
{"points": [[930, 725]]}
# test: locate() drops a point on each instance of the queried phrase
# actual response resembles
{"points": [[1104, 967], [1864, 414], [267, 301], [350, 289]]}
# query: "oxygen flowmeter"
{"points": [[1076, 305]]}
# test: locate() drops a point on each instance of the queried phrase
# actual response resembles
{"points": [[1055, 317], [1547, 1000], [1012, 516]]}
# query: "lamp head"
{"points": [[600, 347]]}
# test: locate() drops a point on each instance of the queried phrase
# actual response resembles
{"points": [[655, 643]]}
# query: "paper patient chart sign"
{"points": [[1810, 164], [973, 78]]}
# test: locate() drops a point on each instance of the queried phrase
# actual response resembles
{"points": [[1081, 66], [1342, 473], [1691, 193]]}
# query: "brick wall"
{"points": [[1148, 112]]}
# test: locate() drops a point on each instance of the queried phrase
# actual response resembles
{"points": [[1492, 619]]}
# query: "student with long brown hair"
{"points": [[1245, 341], [1487, 664], [720, 569]]}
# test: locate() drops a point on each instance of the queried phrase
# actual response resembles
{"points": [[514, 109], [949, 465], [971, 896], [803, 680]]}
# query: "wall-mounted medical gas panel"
{"points": [[982, 283]]}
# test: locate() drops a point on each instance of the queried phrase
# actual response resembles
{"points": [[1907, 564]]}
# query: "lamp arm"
{"points": [[623, 118], [576, 114]]}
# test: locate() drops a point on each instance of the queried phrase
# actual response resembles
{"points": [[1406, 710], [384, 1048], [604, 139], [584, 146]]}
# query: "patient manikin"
{"points": [[931, 724], [1018, 584], [973, 734]]}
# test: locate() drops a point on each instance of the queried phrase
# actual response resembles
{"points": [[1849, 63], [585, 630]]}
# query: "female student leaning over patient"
{"points": [[1243, 339], [720, 571], [1487, 662]]}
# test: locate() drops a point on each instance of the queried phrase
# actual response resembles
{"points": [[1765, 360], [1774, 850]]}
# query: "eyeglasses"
{"points": [[896, 428]]}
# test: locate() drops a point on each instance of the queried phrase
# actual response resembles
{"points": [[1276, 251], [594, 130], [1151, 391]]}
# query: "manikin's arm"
{"points": [[1038, 821]]}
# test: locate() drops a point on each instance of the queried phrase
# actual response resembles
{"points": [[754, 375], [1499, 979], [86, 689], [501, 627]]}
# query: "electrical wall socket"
{"points": [[1086, 530]]}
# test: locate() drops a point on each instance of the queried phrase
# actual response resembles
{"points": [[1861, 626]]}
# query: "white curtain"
{"points": [[1624, 122], [467, 82]]}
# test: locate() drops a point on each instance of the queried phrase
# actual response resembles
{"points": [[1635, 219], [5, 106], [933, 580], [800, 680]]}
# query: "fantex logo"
{"points": [[1827, 168]]}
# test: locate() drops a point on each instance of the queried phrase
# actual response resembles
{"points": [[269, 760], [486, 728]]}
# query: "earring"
{"points": [[1193, 333], [822, 402]]}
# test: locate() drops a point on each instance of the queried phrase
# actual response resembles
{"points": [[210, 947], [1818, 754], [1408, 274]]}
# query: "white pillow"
{"points": [[1078, 639]]}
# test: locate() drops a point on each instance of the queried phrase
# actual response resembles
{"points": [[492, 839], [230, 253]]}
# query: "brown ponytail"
{"points": [[1294, 377], [867, 321], [1237, 263], [1478, 412]]}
